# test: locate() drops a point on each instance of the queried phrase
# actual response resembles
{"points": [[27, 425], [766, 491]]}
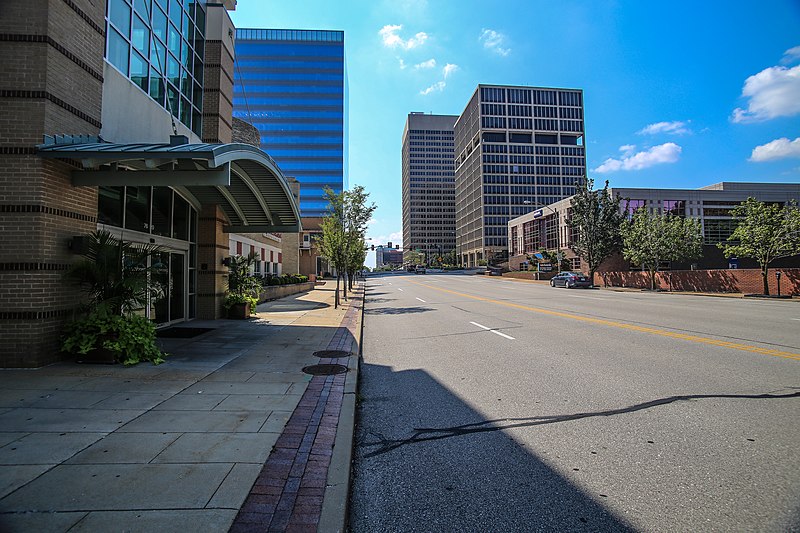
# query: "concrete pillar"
{"points": [[212, 248]]}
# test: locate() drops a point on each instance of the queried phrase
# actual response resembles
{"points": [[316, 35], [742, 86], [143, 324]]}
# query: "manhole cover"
{"points": [[325, 370], [331, 353]]}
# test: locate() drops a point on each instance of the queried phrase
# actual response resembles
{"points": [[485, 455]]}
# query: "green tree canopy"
{"points": [[764, 232], [343, 233], [650, 238], [595, 220]]}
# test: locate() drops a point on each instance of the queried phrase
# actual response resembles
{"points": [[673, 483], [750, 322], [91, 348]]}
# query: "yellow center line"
{"points": [[623, 325]]}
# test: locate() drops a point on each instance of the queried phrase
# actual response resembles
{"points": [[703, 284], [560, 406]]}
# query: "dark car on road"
{"points": [[570, 280]]}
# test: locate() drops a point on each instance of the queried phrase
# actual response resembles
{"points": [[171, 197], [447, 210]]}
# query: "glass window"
{"points": [[186, 56], [140, 36], [174, 99], [159, 24], [186, 111], [110, 205], [186, 84], [118, 51], [198, 69], [139, 71], [156, 86], [174, 40], [142, 7], [137, 208], [197, 96], [162, 209], [199, 16], [175, 12], [158, 55], [173, 70], [197, 122], [120, 15], [185, 25]]}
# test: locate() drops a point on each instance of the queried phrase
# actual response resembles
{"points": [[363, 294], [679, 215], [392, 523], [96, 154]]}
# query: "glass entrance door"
{"points": [[168, 297]]}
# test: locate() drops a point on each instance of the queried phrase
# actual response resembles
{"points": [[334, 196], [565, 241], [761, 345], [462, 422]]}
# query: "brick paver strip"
{"points": [[287, 495]]}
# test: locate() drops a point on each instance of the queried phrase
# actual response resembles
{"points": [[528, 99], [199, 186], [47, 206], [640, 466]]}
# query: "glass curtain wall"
{"points": [[160, 45], [290, 84]]}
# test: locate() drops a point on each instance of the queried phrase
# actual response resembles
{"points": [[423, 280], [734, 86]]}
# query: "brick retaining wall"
{"points": [[747, 281]]}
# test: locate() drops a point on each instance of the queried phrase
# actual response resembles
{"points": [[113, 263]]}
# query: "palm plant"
{"points": [[114, 274]]}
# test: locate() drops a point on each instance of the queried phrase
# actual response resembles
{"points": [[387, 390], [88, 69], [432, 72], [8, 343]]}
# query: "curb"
{"points": [[335, 503]]}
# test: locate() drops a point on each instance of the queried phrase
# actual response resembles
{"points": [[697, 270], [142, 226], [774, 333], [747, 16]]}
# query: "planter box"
{"points": [[239, 311], [274, 292]]}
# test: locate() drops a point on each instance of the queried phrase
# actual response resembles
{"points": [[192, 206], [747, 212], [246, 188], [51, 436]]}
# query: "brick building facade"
{"points": [[70, 68]]}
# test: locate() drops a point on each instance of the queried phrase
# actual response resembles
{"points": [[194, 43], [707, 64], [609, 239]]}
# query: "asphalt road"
{"points": [[497, 405]]}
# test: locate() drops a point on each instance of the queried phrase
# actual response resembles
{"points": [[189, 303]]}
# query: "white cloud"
{"points": [[394, 238], [781, 148], [663, 153], [773, 92], [436, 87], [449, 69], [676, 127], [791, 55], [431, 63], [391, 39], [402, 63], [627, 149], [495, 41]]}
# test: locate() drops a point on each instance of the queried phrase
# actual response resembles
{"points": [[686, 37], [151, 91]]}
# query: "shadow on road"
{"points": [[397, 310], [485, 481]]}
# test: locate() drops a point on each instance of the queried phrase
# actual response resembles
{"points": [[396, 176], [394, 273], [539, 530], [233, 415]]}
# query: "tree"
{"points": [[358, 214], [415, 258], [333, 242], [765, 232], [648, 239], [595, 220], [343, 233]]}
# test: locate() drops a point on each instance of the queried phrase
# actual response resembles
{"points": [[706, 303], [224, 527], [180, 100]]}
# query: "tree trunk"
{"points": [[652, 280], [344, 285], [765, 277], [591, 276], [336, 296]]}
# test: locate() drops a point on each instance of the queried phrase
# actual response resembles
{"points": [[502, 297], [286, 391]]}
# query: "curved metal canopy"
{"points": [[243, 180]]}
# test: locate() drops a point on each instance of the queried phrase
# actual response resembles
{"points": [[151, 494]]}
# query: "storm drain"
{"points": [[325, 370], [331, 353]]}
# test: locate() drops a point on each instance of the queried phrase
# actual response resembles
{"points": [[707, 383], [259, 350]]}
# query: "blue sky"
{"points": [[676, 94]]}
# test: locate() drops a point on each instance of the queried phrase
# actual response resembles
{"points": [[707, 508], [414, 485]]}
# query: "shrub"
{"points": [[132, 338]]}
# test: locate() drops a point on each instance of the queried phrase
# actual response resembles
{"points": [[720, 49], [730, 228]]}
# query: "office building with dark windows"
{"points": [[516, 149], [117, 116], [546, 228], [291, 84], [428, 187]]}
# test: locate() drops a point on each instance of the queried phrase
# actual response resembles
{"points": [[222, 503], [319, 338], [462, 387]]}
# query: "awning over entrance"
{"points": [[243, 180]]}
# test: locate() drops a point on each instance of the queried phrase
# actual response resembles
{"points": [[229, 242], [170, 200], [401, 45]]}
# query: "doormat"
{"points": [[181, 333]]}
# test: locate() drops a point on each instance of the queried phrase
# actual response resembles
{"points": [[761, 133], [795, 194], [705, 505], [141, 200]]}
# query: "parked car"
{"points": [[570, 280], [420, 269]]}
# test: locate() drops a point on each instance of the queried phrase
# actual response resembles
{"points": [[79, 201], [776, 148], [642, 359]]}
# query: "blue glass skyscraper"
{"points": [[291, 85]]}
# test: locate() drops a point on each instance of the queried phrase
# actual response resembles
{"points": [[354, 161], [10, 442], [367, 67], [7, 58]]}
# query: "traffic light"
{"points": [[372, 247]]}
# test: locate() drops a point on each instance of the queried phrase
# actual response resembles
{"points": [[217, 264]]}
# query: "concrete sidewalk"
{"points": [[182, 445]]}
